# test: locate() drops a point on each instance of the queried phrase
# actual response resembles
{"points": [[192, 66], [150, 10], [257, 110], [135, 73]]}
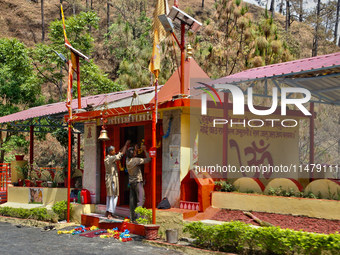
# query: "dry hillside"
{"points": [[22, 19]]}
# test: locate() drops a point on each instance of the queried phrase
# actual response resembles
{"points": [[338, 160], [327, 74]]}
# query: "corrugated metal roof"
{"points": [[297, 68], [60, 107], [320, 75]]}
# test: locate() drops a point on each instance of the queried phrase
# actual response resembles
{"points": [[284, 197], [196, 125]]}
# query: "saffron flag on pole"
{"points": [[73, 56], [155, 63], [162, 7], [155, 66]]}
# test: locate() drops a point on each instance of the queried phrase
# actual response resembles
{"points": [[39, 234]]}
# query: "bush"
{"points": [[291, 193], [203, 233], [236, 236], [225, 186], [40, 213], [60, 208], [34, 213], [145, 215]]}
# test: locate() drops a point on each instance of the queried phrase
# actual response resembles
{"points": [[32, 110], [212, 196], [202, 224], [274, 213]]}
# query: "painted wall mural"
{"points": [[258, 146]]}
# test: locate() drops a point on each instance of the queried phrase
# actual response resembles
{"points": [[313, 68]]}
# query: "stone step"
{"points": [[120, 210], [94, 219]]}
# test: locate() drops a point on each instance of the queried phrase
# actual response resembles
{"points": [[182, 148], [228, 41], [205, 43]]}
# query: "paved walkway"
{"points": [[29, 240]]}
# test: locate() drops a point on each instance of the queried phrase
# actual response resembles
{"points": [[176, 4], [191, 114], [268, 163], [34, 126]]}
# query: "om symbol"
{"points": [[252, 150]]}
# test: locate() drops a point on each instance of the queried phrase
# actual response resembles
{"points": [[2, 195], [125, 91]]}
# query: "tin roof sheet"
{"points": [[60, 107]]}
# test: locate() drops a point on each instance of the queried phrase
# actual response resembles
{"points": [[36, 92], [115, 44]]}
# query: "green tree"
{"points": [[323, 18], [19, 88], [316, 35], [132, 49], [130, 41], [233, 42], [337, 23], [268, 46], [51, 68]]}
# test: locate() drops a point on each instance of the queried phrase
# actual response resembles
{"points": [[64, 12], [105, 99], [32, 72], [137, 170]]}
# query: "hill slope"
{"points": [[22, 19]]}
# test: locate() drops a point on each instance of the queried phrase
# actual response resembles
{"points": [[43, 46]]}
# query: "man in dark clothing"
{"points": [[133, 165]]}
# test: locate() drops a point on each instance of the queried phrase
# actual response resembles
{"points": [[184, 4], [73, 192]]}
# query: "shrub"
{"points": [[145, 215], [40, 214], [291, 193], [60, 208], [225, 186], [237, 236], [34, 213], [202, 233]]}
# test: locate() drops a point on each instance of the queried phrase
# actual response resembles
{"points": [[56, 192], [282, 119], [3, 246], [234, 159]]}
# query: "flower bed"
{"points": [[284, 221]]}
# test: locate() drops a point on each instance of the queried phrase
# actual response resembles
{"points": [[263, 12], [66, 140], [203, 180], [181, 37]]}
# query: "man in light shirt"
{"points": [[111, 178]]}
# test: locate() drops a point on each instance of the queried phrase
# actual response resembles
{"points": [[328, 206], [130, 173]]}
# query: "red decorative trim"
{"points": [[259, 183], [300, 187]]}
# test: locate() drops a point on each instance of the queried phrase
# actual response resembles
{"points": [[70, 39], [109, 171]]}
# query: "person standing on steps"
{"points": [[133, 165], [111, 178]]}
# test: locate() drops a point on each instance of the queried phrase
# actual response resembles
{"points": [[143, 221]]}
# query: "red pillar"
{"points": [[70, 146], [31, 144], [69, 172], [78, 151], [311, 141], [182, 56], [225, 132], [153, 162], [69, 156]]}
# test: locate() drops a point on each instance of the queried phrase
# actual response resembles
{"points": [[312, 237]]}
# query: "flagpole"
{"points": [[78, 82], [154, 68], [182, 56], [69, 172], [70, 85], [74, 62], [69, 107], [154, 121]]}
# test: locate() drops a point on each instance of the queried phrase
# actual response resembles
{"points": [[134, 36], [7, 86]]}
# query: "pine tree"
{"points": [[233, 42], [316, 36], [42, 21], [336, 21]]}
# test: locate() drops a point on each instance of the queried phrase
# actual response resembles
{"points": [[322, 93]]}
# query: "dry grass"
{"points": [[22, 19]]}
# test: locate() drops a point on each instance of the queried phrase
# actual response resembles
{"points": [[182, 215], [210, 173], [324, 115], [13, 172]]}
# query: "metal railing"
{"points": [[4, 181]]}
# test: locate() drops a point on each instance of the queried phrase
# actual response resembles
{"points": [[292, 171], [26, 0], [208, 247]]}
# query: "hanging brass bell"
{"points": [[103, 135]]}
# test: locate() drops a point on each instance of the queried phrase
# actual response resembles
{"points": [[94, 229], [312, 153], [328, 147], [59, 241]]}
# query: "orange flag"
{"points": [[69, 90], [161, 7], [155, 63]]}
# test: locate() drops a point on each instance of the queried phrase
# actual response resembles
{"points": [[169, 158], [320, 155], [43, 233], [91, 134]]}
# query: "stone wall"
{"points": [[91, 181]]}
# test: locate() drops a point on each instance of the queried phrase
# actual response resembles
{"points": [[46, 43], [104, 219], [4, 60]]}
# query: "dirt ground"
{"points": [[284, 221]]}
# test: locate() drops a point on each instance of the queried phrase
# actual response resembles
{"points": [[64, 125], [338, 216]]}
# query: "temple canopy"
{"points": [[52, 115], [320, 75]]}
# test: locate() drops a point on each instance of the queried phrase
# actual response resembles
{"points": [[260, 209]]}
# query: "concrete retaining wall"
{"points": [[317, 208]]}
